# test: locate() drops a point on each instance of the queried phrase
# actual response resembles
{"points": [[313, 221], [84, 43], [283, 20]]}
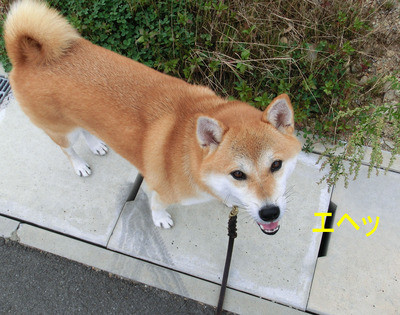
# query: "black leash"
{"points": [[232, 235]]}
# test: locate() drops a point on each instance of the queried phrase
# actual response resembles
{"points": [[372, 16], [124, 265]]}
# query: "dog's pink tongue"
{"points": [[270, 226]]}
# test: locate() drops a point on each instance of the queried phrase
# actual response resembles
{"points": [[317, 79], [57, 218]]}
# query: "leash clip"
{"points": [[234, 212]]}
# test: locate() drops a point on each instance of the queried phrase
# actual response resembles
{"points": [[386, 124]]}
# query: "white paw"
{"points": [[162, 219], [81, 168], [99, 148]]}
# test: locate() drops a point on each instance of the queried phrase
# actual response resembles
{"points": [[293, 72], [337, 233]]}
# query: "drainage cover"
{"points": [[4, 88]]}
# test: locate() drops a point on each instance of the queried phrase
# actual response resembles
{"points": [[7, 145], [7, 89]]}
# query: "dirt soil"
{"points": [[387, 27]]}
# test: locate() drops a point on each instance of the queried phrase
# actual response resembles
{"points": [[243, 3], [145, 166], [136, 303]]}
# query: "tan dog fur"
{"points": [[64, 82]]}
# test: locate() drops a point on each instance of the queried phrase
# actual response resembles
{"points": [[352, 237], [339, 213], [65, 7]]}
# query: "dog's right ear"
{"points": [[209, 132]]}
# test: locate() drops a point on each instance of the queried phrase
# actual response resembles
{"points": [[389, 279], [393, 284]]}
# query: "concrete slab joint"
{"points": [[9, 228], [14, 235]]}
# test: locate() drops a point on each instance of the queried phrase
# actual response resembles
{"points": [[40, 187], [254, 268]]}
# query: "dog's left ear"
{"points": [[280, 114]]}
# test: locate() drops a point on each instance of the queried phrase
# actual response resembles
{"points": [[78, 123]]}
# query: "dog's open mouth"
{"points": [[269, 228]]}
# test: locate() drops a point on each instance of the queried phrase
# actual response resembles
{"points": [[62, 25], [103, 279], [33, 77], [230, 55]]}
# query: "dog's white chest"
{"points": [[200, 198]]}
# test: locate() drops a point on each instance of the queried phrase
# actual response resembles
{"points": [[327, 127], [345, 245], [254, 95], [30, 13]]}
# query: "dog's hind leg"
{"points": [[95, 145], [161, 217], [66, 143]]}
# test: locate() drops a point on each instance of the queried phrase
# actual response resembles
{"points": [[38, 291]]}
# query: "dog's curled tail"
{"points": [[35, 33]]}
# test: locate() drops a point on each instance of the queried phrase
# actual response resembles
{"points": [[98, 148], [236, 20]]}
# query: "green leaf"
{"points": [[245, 54]]}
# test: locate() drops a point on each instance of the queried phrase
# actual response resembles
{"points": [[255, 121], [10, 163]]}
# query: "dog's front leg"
{"points": [[161, 217]]}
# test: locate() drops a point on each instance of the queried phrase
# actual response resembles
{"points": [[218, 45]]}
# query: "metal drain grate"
{"points": [[4, 88]]}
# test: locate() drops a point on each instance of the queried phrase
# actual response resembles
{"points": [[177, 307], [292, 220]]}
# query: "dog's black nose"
{"points": [[269, 213]]}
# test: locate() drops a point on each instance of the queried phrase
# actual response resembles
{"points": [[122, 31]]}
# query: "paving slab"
{"points": [[278, 268], [144, 272], [38, 184], [7, 227], [361, 274]]}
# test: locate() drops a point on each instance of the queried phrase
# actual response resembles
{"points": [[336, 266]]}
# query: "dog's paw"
{"points": [[95, 145], [162, 219], [81, 168], [99, 148]]}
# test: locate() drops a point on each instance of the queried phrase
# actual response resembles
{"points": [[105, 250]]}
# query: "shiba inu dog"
{"points": [[190, 144]]}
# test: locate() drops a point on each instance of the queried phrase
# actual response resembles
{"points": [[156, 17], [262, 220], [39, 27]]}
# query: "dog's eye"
{"points": [[276, 165], [238, 175]]}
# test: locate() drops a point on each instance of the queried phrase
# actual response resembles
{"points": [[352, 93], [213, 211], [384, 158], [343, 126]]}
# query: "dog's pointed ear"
{"points": [[209, 131], [280, 114]]}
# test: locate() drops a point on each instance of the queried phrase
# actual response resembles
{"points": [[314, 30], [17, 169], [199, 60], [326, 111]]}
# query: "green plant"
{"points": [[156, 33], [152, 32], [368, 129], [3, 55]]}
